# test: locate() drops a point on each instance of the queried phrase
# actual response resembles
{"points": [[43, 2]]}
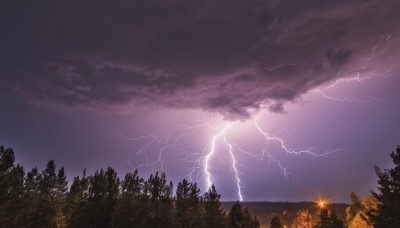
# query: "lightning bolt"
{"points": [[230, 146], [204, 155], [377, 51], [357, 79], [381, 46], [222, 134], [310, 151], [167, 142], [272, 159], [211, 153], [200, 153]]}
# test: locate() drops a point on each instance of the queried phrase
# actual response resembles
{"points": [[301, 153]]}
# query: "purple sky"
{"points": [[80, 80]]}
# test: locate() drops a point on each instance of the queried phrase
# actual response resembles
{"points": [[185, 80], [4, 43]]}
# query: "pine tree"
{"points": [[214, 215], [387, 213], [335, 221], [355, 213], [11, 189], [369, 203], [77, 200], [46, 193], [60, 196], [128, 207], [17, 195], [354, 208], [329, 219], [160, 201], [45, 212], [252, 222], [324, 218], [103, 193], [239, 217], [31, 196], [187, 205], [42, 199], [276, 222], [236, 216]]}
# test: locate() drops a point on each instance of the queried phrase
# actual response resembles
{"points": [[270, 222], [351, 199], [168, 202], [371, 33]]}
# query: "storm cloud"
{"points": [[227, 56]]}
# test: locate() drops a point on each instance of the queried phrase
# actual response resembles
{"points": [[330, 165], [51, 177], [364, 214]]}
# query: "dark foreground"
{"points": [[286, 211]]}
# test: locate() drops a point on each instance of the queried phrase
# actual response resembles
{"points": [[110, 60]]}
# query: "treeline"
{"points": [[43, 199]]}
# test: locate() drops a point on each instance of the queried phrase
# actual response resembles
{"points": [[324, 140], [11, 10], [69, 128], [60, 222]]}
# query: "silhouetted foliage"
{"points": [[214, 214], [187, 205], [77, 200], [42, 199], [160, 211], [287, 211], [128, 209], [387, 213], [103, 193], [334, 221], [329, 219], [11, 189], [239, 217], [354, 208], [304, 219], [355, 213], [276, 222], [48, 210]]}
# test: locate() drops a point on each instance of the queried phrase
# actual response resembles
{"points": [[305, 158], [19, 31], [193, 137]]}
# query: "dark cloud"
{"points": [[276, 107], [338, 57], [232, 57]]}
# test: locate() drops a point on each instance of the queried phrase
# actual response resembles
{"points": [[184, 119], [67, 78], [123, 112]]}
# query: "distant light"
{"points": [[321, 204]]}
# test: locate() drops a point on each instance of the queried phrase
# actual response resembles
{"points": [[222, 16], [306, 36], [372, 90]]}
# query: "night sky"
{"points": [[149, 84]]}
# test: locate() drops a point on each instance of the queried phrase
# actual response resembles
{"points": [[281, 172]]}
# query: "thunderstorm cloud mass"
{"points": [[230, 57], [87, 72]]}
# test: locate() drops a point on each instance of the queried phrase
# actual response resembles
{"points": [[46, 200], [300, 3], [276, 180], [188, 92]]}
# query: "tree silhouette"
{"points": [[42, 199], [239, 217], [128, 208], [52, 189], [354, 208], [214, 215], [276, 222], [387, 213], [103, 193], [187, 204], [329, 219], [355, 213], [161, 207], [11, 189], [77, 200], [31, 196], [335, 221]]}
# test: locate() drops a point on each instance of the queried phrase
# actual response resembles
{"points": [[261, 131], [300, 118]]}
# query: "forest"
{"points": [[45, 199]]}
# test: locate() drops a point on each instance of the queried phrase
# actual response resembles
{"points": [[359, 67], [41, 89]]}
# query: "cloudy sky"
{"points": [[150, 84]]}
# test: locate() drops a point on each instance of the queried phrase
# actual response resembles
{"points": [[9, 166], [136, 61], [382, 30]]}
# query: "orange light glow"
{"points": [[321, 203]]}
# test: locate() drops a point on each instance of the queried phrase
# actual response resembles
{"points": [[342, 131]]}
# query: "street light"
{"points": [[321, 204], [323, 211]]}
